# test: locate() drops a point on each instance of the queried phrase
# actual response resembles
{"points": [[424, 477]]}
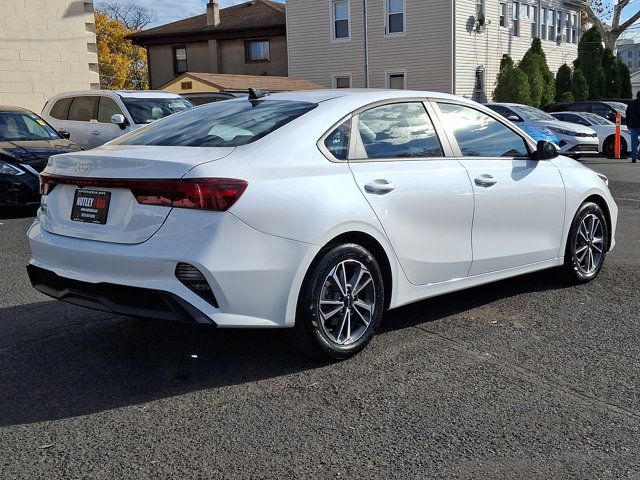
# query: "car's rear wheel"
{"points": [[609, 146], [340, 304], [587, 244]]}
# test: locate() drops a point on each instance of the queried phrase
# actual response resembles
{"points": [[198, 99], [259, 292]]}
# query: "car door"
{"points": [[420, 193], [102, 130], [519, 202], [82, 110]]}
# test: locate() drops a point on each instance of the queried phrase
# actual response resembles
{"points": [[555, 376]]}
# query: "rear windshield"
{"points": [[223, 124], [148, 109]]}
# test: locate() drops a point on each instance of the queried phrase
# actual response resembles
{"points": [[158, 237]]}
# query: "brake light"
{"points": [[217, 194]]}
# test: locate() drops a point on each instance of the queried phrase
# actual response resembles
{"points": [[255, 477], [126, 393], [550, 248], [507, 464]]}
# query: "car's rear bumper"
{"points": [[255, 277]]}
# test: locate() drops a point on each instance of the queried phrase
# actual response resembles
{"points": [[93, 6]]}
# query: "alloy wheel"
{"points": [[347, 302], [589, 248]]}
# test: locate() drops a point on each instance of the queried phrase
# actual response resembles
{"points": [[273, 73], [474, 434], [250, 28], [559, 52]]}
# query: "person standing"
{"points": [[633, 124]]}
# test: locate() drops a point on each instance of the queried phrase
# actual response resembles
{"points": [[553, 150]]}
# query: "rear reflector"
{"points": [[218, 194], [191, 277]]}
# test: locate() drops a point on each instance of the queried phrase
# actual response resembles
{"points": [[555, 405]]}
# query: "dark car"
{"points": [[605, 108], [26, 143]]}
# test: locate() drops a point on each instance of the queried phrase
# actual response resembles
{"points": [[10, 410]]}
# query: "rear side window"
{"points": [[83, 109], [479, 135], [338, 141], [221, 124], [107, 108], [60, 109], [399, 130]]}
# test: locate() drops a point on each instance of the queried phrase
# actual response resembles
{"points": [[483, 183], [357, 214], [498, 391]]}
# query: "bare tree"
{"points": [[133, 16], [600, 12]]}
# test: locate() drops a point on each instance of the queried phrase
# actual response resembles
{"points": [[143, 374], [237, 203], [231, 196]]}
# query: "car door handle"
{"points": [[96, 132], [485, 181], [379, 187]]}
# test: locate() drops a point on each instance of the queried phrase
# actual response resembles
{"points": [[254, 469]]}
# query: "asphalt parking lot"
{"points": [[524, 378]]}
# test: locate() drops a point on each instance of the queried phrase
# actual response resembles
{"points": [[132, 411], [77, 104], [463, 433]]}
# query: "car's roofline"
{"points": [[10, 108], [365, 94], [120, 93]]}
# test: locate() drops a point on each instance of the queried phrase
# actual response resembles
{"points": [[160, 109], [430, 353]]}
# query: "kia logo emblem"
{"points": [[81, 167]]}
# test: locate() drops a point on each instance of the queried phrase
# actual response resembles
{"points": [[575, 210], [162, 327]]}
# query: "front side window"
{"points": [[148, 109], [24, 126], [179, 60], [106, 109], [337, 142], [340, 14], [503, 14], [395, 16], [399, 130], [479, 135], [219, 124], [83, 109], [258, 51]]}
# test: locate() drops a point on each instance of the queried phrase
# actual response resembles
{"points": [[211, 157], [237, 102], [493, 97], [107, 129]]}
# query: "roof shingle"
{"points": [[242, 83]]}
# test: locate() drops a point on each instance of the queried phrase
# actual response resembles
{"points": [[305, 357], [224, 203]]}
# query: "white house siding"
{"points": [[46, 47], [313, 55], [473, 50]]}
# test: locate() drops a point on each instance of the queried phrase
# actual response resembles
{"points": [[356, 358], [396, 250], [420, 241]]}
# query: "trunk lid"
{"points": [[127, 221]]}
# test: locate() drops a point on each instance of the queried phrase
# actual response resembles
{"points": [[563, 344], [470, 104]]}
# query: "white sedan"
{"points": [[605, 129], [313, 211]]}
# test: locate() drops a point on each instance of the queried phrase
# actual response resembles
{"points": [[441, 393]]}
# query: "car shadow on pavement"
{"points": [[59, 361]]}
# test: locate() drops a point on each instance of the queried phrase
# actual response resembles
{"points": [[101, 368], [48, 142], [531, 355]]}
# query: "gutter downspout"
{"points": [[366, 45]]}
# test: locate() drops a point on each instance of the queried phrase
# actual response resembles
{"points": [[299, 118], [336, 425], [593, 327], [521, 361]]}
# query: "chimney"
{"points": [[213, 13]]}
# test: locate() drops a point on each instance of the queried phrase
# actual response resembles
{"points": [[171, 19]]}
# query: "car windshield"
{"points": [[145, 110], [533, 113], [23, 126], [619, 107], [222, 124], [596, 119]]}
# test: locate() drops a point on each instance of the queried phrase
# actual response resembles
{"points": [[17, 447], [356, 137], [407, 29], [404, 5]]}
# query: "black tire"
{"points": [[575, 264], [313, 330], [608, 146]]}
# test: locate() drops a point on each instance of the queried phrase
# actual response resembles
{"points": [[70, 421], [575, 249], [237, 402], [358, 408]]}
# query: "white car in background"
{"points": [[313, 211], [95, 117], [605, 129], [575, 140]]}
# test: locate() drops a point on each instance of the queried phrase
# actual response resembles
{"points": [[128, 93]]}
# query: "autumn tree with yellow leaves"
{"points": [[122, 64]]}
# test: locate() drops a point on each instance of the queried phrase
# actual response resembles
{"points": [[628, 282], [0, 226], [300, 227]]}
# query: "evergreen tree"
{"points": [[563, 82], [625, 79], [612, 74], [580, 87], [589, 61], [530, 66], [566, 97], [513, 86]]}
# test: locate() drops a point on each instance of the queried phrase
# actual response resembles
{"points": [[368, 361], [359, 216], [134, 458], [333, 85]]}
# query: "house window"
{"points": [[533, 17], [342, 81], [551, 24], [574, 28], [186, 85], [630, 54], [179, 60], [559, 26], [257, 51], [340, 19], [543, 22], [395, 16], [516, 19], [397, 81], [478, 89], [503, 14]]}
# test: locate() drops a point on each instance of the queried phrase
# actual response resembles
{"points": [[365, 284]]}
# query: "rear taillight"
{"points": [[217, 194]]}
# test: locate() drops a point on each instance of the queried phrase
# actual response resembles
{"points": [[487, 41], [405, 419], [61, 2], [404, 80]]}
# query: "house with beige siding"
{"points": [[245, 39], [46, 47], [451, 46]]}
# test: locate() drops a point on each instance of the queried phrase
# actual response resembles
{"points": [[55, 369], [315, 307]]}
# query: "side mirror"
{"points": [[118, 119], [64, 134], [546, 151], [514, 118]]}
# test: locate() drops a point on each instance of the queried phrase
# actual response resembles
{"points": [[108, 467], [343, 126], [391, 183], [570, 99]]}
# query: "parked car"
{"points": [[314, 211], [575, 140], [210, 97], [605, 129], [539, 133], [605, 108], [94, 117], [26, 143]]}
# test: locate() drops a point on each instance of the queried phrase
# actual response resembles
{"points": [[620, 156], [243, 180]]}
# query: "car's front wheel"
{"points": [[587, 244], [608, 146], [340, 304]]}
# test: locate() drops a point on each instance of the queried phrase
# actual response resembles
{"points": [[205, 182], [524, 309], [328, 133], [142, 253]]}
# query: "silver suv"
{"points": [[95, 117]]}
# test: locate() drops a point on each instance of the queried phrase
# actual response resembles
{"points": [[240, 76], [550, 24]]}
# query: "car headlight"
{"points": [[603, 178], [561, 131], [8, 169]]}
